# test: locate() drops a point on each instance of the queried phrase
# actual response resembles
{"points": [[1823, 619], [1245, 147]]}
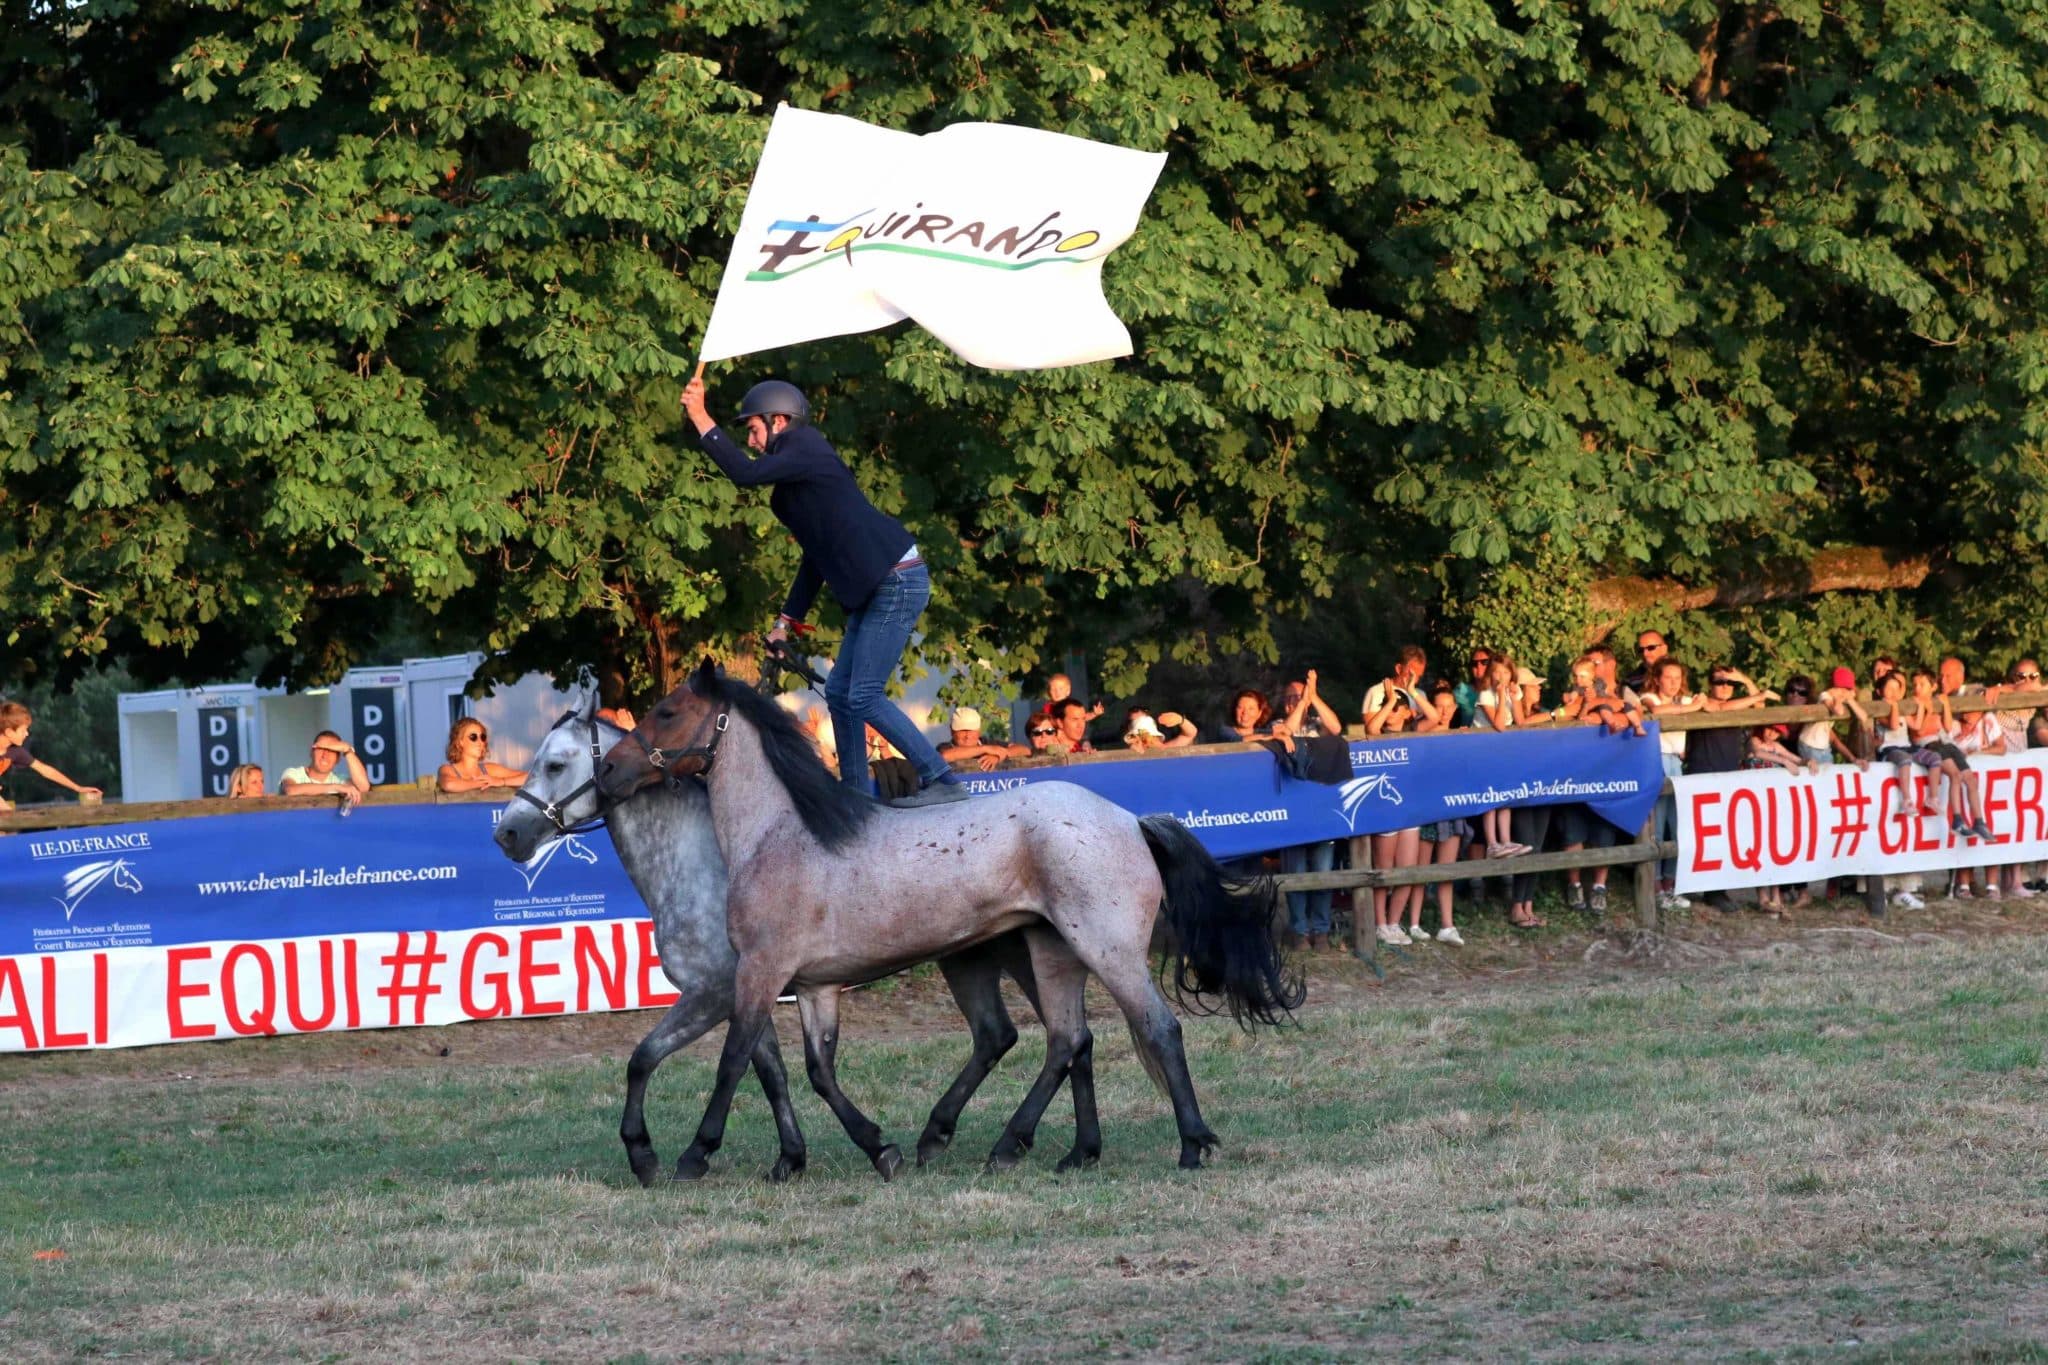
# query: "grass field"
{"points": [[1801, 1153]]}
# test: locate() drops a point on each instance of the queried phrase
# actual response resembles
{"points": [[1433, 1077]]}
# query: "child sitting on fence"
{"points": [[1928, 722]]}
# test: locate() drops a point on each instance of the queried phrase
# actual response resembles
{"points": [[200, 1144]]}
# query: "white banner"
{"points": [[127, 997], [989, 235], [1762, 828]]}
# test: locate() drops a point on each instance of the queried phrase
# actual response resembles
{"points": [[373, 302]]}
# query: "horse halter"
{"points": [[665, 762], [551, 811]]}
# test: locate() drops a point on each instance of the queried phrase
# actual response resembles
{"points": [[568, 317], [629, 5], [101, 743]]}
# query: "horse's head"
{"points": [[678, 738], [560, 795]]}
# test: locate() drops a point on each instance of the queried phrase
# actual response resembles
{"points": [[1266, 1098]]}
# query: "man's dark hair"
{"points": [[329, 734], [1066, 704], [1411, 654]]}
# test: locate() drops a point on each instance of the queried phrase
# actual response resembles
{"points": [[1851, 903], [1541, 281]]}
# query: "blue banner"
{"points": [[290, 874], [1241, 804], [282, 874]]}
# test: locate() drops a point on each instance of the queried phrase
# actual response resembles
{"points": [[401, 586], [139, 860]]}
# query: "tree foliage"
{"points": [[319, 312]]}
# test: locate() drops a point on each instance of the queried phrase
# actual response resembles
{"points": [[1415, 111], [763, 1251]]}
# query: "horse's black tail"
{"points": [[1224, 951]]}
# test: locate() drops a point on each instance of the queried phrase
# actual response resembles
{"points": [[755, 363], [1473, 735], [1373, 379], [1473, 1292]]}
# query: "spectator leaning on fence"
{"points": [[1596, 698], [1400, 690], [1308, 912], [15, 721], [2023, 676], [1441, 842], [1072, 719], [1044, 735], [1667, 695], [1252, 719], [319, 778], [1975, 734], [1472, 684], [1720, 750], [1400, 847], [467, 770], [968, 746], [1167, 730]]}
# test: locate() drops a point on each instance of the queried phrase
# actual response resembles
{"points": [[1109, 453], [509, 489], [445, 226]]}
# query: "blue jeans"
{"points": [[1667, 817], [877, 633], [1308, 912]]}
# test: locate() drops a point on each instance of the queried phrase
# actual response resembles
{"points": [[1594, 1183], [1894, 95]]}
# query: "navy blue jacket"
{"points": [[847, 542]]}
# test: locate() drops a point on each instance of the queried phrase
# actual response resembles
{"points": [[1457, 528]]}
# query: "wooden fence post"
{"points": [[1646, 879]]}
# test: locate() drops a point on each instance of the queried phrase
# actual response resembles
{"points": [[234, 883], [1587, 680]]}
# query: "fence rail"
{"points": [[1642, 854]]}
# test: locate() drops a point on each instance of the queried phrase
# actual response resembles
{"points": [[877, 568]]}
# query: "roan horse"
{"points": [[667, 846], [829, 887]]}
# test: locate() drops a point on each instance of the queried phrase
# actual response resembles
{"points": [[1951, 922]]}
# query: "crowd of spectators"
{"points": [[1920, 732], [1890, 714]]}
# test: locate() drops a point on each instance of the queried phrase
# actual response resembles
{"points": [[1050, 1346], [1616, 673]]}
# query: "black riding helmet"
{"points": [[776, 398]]}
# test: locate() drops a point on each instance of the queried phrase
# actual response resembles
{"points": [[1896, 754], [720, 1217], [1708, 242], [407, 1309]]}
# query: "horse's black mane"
{"points": [[832, 811]]}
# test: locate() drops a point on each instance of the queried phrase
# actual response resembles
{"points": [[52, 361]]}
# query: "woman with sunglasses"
{"points": [[467, 770]]}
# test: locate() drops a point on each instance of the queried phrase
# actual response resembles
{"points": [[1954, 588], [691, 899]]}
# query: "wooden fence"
{"points": [[1642, 854]]}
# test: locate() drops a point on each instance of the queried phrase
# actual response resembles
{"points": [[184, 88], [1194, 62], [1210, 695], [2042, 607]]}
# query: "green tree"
{"points": [[1501, 313]]}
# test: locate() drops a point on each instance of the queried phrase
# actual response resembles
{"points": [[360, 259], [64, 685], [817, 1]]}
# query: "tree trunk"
{"points": [[1856, 569]]}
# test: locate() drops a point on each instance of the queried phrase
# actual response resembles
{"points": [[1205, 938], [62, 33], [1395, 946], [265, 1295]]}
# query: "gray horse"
{"points": [[669, 848], [829, 887]]}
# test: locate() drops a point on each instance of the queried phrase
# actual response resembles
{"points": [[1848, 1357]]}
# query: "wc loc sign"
{"points": [[220, 747], [373, 729]]}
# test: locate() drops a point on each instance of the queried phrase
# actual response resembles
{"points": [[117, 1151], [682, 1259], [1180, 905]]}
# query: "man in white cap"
{"points": [[967, 742]]}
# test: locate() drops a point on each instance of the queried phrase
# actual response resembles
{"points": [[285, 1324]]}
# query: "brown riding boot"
{"points": [[1319, 943]]}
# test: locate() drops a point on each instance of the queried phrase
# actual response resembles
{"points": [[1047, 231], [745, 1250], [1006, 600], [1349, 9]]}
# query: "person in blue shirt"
{"points": [[864, 555]]}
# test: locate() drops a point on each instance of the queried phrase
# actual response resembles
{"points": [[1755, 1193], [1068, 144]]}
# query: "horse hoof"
{"points": [[1077, 1160], [784, 1170], [690, 1167], [646, 1167], [1191, 1158], [888, 1161], [1003, 1158], [931, 1144]]}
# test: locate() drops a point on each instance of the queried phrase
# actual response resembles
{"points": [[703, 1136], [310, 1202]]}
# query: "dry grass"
{"points": [[1826, 1153]]}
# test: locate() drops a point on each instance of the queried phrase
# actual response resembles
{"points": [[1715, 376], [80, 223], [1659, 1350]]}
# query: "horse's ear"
{"points": [[589, 710], [706, 675]]}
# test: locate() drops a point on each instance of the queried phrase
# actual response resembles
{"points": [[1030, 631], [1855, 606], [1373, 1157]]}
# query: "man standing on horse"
{"points": [[865, 555]]}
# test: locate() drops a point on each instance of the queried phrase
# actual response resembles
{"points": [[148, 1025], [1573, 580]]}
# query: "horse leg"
{"points": [[975, 977], [754, 990], [684, 1023], [1087, 1147], [1155, 1029], [819, 1007], [775, 1085], [1015, 952], [1061, 981]]}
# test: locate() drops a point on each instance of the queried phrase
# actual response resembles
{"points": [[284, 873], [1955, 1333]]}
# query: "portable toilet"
{"points": [[369, 709], [221, 723], [148, 723]]}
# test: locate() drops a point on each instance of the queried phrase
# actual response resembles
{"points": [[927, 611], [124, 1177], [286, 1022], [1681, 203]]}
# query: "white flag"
{"points": [[990, 236]]}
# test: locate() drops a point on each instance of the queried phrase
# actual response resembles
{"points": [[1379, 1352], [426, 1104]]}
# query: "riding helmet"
{"points": [[776, 397]]}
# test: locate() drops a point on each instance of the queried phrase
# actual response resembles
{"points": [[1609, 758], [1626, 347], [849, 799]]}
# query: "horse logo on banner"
{"points": [[83, 880], [1353, 794], [545, 854]]}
